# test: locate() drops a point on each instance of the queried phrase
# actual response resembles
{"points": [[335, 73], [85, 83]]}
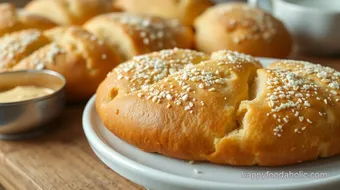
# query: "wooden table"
{"points": [[62, 159], [59, 159]]}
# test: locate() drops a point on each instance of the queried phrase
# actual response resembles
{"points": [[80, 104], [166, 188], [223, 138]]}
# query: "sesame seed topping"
{"points": [[185, 97], [301, 118], [257, 22], [232, 57], [154, 32], [12, 44], [151, 68], [288, 91], [40, 60], [307, 104], [169, 97]]}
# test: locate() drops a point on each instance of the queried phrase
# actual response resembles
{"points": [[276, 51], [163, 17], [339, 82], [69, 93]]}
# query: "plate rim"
{"points": [[148, 172]]}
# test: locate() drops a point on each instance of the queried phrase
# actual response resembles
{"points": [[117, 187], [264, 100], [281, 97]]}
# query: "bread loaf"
{"points": [[69, 12], [134, 35], [73, 52], [225, 109], [238, 27], [17, 45], [185, 10], [12, 20]]}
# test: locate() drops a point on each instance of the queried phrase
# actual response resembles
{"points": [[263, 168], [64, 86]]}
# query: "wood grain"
{"points": [[59, 159]]}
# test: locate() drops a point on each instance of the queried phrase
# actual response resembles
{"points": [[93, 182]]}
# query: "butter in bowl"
{"points": [[29, 100]]}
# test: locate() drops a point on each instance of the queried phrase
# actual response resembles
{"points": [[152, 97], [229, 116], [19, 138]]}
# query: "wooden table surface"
{"points": [[58, 159], [62, 159]]}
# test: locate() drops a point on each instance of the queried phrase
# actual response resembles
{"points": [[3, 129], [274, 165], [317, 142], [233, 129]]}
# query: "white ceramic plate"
{"points": [[158, 172]]}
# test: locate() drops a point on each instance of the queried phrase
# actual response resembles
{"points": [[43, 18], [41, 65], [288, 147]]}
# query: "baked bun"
{"points": [[225, 110], [17, 45], [72, 51], [238, 27], [186, 11], [69, 12], [134, 35], [12, 20]]}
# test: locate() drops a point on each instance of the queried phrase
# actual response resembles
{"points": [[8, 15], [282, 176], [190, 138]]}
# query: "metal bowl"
{"points": [[23, 116]]}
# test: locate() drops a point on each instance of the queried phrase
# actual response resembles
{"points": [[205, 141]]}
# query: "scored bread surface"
{"points": [[79, 56], [225, 108], [133, 34]]}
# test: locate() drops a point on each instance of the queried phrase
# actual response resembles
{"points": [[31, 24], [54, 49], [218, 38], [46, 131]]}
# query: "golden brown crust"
{"points": [[134, 35], [12, 20], [185, 10], [237, 27], [69, 12], [79, 56], [293, 113], [217, 111], [17, 45]]}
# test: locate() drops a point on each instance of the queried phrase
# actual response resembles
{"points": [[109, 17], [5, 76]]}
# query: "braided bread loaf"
{"points": [[134, 35], [69, 12], [225, 108], [12, 20], [72, 51]]}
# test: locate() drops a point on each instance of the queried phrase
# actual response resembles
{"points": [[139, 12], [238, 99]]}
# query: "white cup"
{"points": [[314, 24]]}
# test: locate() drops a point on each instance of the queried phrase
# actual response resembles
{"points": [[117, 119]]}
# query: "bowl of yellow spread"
{"points": [[30, 100]]}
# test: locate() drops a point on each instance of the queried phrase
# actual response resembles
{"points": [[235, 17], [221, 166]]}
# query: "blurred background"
{"points": [[19, 3], [23, 2]]}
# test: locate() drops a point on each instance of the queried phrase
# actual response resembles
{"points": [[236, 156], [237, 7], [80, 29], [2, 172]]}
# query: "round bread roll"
{"points": [[69, 12], [237, 27], [225, 110], [12, 20], [72, 51], [134, 35], [186, 10]]}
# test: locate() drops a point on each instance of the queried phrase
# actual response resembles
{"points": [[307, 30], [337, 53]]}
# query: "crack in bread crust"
{"points": [[179, 100], [225, 108]]}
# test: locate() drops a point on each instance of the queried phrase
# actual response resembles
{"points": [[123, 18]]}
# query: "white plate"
{"points": [[158, 172]]}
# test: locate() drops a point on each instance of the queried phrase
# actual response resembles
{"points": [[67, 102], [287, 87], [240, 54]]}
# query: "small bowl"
{"points": [[24, 116], [315, 26]]}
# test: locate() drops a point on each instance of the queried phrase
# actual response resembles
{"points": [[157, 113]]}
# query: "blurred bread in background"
{"points": [[69, 12], [132, 34], [184, 10], [238, 27], [13, 19], [79, 56], [17, 45]]}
